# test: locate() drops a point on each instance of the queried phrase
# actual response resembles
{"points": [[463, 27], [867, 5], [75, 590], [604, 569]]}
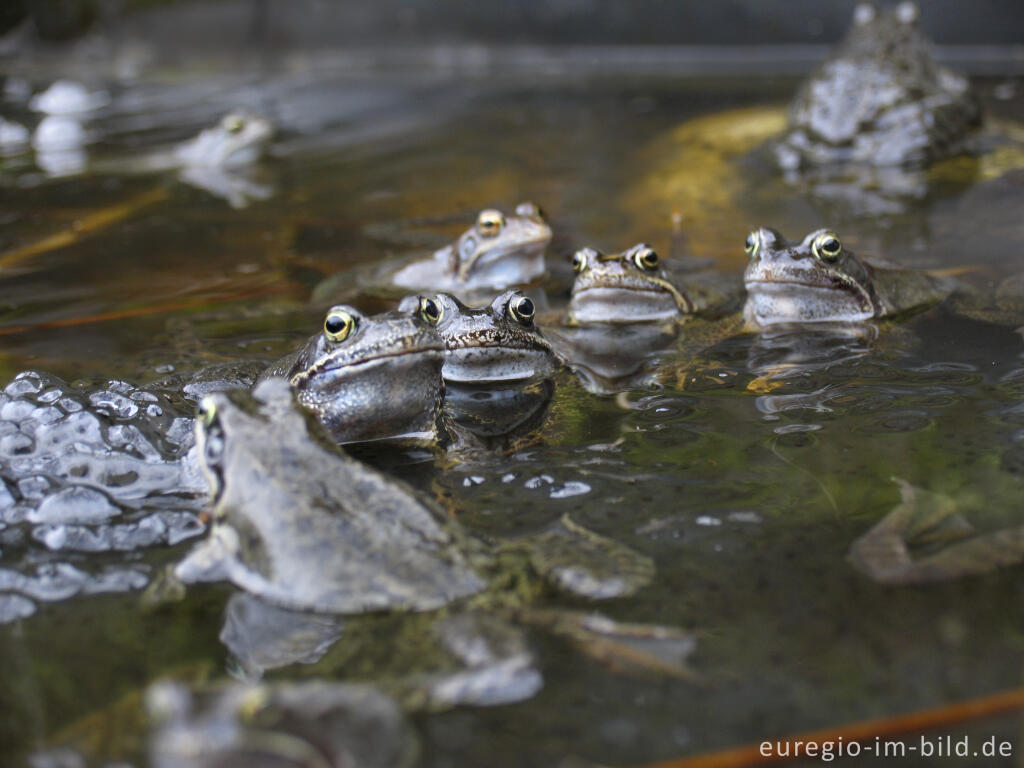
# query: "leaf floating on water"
{"points": [[926, 519]]}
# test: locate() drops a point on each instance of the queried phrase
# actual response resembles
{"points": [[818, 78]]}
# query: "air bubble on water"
{"points": [[25, 383], [14, 607], [59, 581], [46, 414], [538, 480], [569, 489], [116, 580], [158, 528], [113, 403], [49, 396], [70, 405], [747, 516], [16, 410], [34, 487], [16, 444], [74, 504]]}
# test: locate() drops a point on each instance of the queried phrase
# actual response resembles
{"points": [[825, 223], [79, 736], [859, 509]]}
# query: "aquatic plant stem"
{"points": [[153, 309], [84, 227], [861, 731]]}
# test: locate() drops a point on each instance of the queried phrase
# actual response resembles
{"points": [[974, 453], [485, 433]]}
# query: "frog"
{"points": [[925, 539], [630, 287], [341, 538], [237, 140], [497, 343], [498, 252], [219, 160], [372, 377], [879, 99], [260, 455], [820, 280], [880, 86]]}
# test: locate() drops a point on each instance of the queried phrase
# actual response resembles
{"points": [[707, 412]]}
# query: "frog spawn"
{"points": [[87, 470]]}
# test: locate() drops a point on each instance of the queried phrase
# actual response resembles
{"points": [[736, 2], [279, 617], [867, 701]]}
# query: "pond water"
{"points": [[747, 496]]}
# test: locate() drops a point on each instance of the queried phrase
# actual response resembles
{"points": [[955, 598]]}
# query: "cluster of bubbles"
{"points": [[86, 470]]}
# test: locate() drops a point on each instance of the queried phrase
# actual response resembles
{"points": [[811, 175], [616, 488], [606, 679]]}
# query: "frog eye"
{"points": [[233, 123], [646, 258], [579, 262], [207, 411], [827, 247], [907, 12], [338, 325], [863, 14], [490, 223], [522, 309], [529, 211], [253, 703], [430, 310], [750, 246]]}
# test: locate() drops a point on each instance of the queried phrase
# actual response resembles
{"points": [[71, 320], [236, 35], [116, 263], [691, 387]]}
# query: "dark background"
{"points": [[201, 24]]}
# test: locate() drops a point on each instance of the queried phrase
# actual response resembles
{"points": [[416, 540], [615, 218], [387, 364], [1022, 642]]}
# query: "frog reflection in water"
{"points": [[369, 377], [497, 252], [880, 99], [300, 525], [499, 343], [818, 280]]}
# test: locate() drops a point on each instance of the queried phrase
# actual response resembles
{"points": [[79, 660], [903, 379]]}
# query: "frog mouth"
{"points": [[527, 250], [771, 302], [469, 365], [340, 368], [623, 304], [834, 286]]}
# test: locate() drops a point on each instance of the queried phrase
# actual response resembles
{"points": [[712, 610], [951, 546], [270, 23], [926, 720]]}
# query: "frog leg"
{"points": [[498, 666], [218, 558], [583, 563], [648, 648], [923, 517]]}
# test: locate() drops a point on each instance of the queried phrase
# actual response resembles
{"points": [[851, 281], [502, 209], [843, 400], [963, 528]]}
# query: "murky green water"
{"points": [[747, 501]]}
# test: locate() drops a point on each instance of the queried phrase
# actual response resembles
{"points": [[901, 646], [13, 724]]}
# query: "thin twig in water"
{"points": [[862, 731]]}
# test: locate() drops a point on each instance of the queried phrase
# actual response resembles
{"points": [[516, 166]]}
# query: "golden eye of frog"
{"points": [[880, 99], [371, 377], [628, 288], [821, 280], [496, 343]]}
